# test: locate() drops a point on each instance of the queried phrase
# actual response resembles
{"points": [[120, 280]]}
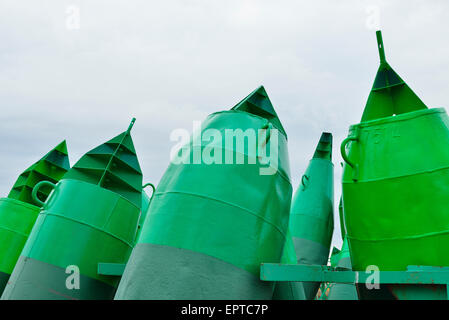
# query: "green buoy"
{"points": [[18, 212], [90, 218], [213, 221], [311, 218], [396, 185]]}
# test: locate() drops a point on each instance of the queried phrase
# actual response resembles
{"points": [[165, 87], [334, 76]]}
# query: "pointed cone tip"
{"points": [[62, 147], [258, 103], [259, 99], [326, 137], [324, 147]]}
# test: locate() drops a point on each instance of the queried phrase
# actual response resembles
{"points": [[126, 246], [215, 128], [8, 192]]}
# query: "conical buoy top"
{"points": [[324, 147], [50, 167], [258, 103], [390, 95], [114, 166]]}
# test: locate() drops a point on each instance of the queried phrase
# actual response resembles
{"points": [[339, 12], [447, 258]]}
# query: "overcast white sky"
{"points": [[168, 63]]}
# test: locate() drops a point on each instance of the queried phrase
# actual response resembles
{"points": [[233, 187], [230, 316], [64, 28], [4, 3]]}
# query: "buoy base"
{"points": [[156, 272], [36, 280]]}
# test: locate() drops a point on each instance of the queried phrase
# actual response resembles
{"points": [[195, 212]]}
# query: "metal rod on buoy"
{"points": [[131, 125], [380, 46]]}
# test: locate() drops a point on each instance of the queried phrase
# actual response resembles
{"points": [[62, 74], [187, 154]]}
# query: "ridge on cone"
{"points": [[324, 147]]}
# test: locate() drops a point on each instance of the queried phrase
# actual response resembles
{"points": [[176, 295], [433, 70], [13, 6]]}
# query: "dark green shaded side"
{"points": [[3, 280], [153, 272], [43, 281], [288, 290], [50, 167], [342, 291]]}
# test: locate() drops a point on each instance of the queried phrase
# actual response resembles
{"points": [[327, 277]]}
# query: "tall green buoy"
{"points": [[90, 218], [396, 185], [311, 219], [211, 223], [18, 212]]}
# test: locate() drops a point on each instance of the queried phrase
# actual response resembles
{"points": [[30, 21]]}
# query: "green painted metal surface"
{"points": [[211, 224], [111, 269], [396, 185], [311, 219], [90, 218], [418, 278], [18, 212], [390, 95], [311, 215], [289, 290], [146, 200], [113, 166], [341, 217], [16, 221]]}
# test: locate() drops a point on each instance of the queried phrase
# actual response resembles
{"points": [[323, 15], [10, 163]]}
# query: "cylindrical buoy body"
{"points": [[16, 221], [397, 192], [80, 225], [211, 224]]}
